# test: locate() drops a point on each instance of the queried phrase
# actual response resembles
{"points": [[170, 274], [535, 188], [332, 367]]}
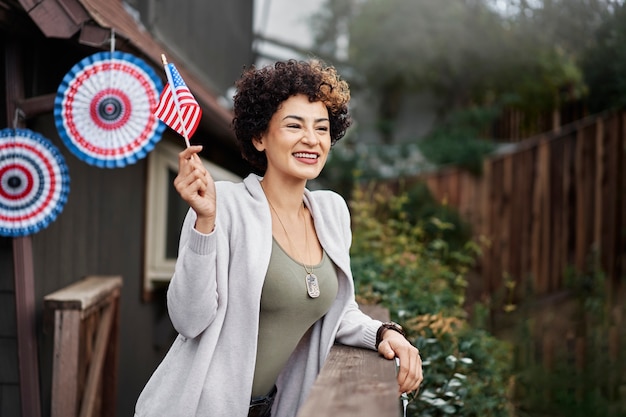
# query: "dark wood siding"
{"points": [[100, 232], [101, 228]]}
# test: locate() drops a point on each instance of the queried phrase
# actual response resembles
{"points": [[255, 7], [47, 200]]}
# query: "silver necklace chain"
{"points": [[291, 245], [311, 281]]}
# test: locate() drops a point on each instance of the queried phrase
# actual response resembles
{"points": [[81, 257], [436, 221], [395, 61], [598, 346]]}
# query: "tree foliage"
{"points": [[477, 55], [522, 53], [427, 45], [604, 64]]}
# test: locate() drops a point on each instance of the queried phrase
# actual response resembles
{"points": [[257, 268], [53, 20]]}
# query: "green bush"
{"points": [[420, 278], [404, 262]]}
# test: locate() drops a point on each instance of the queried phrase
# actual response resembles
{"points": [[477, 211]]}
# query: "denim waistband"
{"points": [[262, 406]]}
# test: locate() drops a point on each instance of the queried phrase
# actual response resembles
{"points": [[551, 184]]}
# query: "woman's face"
{"points": [[297, 140]]}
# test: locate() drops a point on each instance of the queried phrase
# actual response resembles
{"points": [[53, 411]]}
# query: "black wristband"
{"points": [[390, 325]]}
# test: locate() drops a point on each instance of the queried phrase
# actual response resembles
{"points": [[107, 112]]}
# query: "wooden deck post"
{"points": [[23, 258]]}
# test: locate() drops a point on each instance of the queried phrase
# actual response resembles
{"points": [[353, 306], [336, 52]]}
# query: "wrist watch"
{"points": [[389, 325]]}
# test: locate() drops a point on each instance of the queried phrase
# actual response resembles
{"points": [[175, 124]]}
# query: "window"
{"points": [[165, 212]]}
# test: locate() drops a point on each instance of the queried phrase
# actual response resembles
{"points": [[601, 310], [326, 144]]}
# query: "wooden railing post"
{"points": [[86, 316]]}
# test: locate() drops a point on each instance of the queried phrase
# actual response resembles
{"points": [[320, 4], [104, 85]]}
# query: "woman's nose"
{"points": [[310, 136]]}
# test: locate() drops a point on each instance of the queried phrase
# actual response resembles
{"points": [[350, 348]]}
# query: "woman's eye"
{"points": [[323, 128], [293, 126]]}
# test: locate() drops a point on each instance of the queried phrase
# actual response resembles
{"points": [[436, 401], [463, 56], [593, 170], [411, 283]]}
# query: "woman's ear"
{"points": [[258, 144]]}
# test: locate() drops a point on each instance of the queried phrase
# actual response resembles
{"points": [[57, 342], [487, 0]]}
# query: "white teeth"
{"points": [[305, 155]]}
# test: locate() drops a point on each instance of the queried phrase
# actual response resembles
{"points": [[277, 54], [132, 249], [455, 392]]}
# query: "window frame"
{"points": [[158, 269]]}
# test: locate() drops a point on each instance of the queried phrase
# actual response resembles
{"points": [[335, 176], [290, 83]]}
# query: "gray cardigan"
{"points": [[213, 302]]}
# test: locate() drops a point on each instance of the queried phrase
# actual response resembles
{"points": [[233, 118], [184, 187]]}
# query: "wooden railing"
{"points": [[85, 317], [355, 382]]}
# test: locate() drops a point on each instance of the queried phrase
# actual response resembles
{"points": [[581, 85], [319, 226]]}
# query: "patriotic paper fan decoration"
{"points": [[104, 109], [34, 182]]}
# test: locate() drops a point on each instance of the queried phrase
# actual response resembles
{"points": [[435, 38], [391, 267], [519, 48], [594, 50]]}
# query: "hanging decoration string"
{"points": [[112, 51]]}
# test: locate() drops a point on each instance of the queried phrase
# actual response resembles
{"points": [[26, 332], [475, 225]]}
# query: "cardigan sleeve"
{"points": [[192, 294]]}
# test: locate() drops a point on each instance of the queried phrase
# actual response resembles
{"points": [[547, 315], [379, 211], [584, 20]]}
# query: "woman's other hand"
{"points": [[410, 374], [196, 186]]}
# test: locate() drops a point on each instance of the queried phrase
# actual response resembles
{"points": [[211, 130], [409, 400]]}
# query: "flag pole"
{"points": [[175, 98]]}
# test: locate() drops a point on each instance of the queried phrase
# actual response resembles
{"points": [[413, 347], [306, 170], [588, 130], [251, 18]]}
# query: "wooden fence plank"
{"points": [[566, 212], [611, 217], [495, 199], [585, 194], [506, 215], [484, 207], [599, 185], [517, 208], [525, 170], [541, 219]]}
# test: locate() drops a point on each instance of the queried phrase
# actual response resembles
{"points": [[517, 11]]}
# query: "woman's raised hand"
{"points": [[196, 186]]}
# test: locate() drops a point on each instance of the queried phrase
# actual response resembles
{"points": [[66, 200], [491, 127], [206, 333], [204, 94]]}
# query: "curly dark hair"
{"points": [[260, 92]]}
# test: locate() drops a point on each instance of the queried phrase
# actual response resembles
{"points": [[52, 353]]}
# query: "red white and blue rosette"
{"points": [[34, 182], [104, 109]]}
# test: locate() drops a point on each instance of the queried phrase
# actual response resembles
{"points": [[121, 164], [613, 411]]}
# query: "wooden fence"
{"points": [[85, 316], [355, 382], [515, 125], [550, 204], [557, 201]]}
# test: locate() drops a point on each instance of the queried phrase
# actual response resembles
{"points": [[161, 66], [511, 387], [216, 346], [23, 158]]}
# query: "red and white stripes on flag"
{"points": [[177, 106]]}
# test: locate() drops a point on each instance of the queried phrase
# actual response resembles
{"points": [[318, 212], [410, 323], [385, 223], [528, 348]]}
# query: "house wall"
{"points": [[214, 38], [99, 232], [101, 228]]}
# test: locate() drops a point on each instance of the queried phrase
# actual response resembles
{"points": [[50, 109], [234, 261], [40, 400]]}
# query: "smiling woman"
{"points": [[262, 287], [255, 106], [297, 140]]}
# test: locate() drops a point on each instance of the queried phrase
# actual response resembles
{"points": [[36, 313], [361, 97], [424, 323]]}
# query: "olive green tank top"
{"points": [[287, 312]]}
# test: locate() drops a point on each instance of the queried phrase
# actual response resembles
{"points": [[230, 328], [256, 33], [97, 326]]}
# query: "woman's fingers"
{"points": [[187, 155], [190, 167], [194, 183], [410, 374]]}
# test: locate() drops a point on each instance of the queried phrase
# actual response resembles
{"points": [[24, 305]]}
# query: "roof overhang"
{"points": [[95, 20]]}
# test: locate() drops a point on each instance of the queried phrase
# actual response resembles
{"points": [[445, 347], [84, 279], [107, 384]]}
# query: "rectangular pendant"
{"points": [[312, 286]]}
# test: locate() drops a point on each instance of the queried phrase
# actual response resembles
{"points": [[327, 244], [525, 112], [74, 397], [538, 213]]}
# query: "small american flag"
{"points": [[178, 99]]}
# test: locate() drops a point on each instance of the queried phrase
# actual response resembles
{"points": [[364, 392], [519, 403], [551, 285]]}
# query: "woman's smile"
{"points": [[306, 157]]}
